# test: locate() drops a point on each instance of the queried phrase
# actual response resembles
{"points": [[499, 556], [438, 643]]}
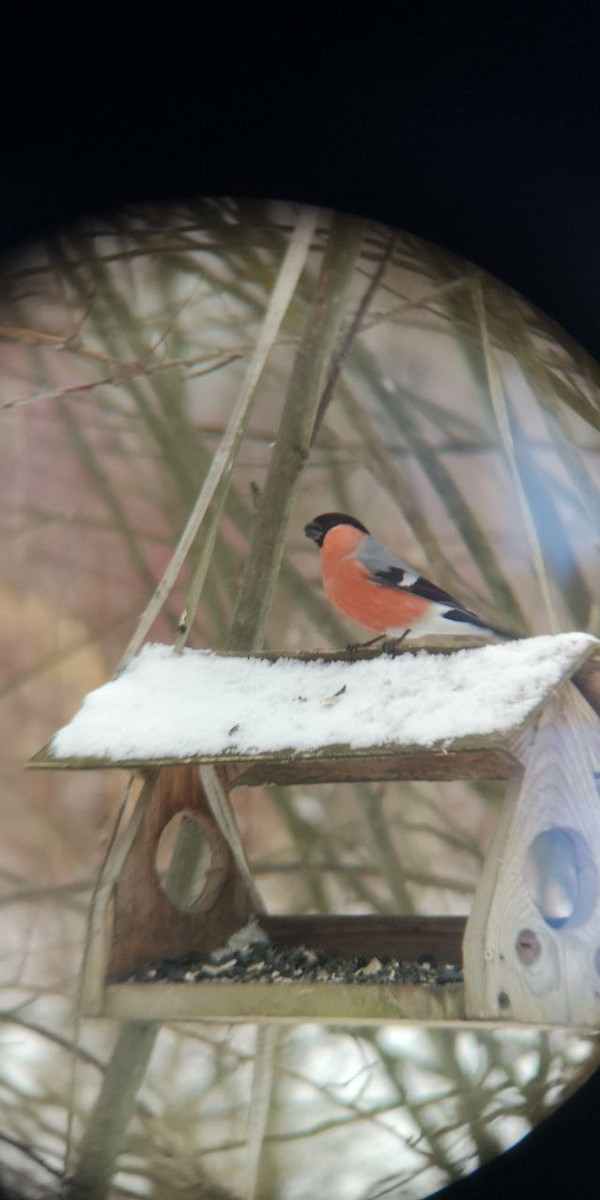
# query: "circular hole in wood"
{"points": [[189, 865], [562, 877]]}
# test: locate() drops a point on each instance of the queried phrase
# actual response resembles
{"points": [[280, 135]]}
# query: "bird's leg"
{"points": [[391, 644], [354, 646]]}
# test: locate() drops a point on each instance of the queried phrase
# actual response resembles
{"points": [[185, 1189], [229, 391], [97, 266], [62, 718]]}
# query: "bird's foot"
{"points": [[354, 646], [390, 645]]}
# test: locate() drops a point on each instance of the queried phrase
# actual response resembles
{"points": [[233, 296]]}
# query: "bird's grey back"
{"points": [[378, 560]]}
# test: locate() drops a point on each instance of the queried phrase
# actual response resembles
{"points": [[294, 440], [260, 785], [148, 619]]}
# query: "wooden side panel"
{"points": [[486, 763], [146, 925], [406, 938], [532, 943]]}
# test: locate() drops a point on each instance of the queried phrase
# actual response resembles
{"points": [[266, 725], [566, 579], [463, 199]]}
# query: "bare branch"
{"points": [[214, 488], [314, 361]]}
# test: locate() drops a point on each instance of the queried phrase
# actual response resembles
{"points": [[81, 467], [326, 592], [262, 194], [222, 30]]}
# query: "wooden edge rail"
{"points": [[407, 938], [300, 1003]]}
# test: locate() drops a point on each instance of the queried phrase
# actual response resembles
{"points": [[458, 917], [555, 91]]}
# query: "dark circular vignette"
{"points": [[519, 200], [475, 134], [560, 1154]]}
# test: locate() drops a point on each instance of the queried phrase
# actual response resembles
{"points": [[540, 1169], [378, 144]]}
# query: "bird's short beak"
{"points": [[311, 531]]}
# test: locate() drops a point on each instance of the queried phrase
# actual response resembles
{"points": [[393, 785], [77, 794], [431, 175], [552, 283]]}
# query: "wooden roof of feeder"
{"points": [[436, 713]]}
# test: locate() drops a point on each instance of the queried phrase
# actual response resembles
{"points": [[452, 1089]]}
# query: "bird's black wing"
{"points": [[399, 578]]}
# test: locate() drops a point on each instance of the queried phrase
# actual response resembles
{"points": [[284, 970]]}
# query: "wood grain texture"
{"points": [[517, 965], [406, 938], [490, 763], [146, 926], [101, 916], [485, 756], [431, 1004], [427, 1005], [587, 679]]}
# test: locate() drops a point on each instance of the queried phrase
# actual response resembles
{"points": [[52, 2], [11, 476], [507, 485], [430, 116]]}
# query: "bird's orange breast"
{"points": [[350, 589]]}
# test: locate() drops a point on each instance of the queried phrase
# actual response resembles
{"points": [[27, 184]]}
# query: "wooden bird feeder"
{"points": [[194, 727]]}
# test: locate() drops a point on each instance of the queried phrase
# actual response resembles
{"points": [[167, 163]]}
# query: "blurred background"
{"points": [[463, 431]]}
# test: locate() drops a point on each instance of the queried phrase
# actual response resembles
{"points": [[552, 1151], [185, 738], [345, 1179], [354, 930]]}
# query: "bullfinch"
{"points": [[376, 589]]}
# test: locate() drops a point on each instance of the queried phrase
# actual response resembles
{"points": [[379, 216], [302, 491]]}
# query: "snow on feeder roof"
{"points": [[200, 705]]}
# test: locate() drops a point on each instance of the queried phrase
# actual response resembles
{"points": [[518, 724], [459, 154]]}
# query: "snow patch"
{"points": [[168, 705]]}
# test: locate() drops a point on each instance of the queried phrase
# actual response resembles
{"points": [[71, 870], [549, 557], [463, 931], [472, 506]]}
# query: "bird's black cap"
{"points": [[319, 526]]}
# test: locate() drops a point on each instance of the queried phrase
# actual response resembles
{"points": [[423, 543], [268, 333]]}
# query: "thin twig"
{"points": [[216, 483], [348, 339], [263, 1078], [316, 355], [60, 393]]}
